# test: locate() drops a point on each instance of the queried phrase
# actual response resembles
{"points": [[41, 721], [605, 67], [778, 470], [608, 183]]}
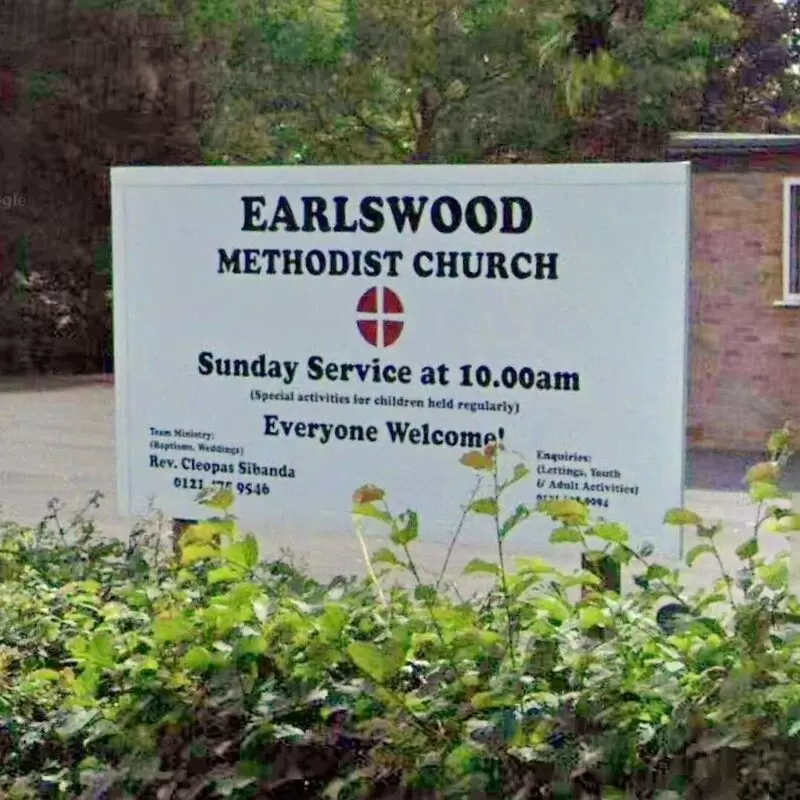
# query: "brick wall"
{"points": [[745, 353]]}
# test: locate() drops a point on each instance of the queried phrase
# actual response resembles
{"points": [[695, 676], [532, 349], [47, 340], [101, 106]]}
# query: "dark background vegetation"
{"points": [[110, 82]]}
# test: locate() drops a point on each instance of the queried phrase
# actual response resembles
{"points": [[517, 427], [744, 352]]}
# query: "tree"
{"points": [[750, 83], [349, 81], [93, 88], [386, 81], [631, 73]]}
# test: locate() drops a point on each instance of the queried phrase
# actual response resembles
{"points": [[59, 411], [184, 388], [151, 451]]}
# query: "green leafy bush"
{"points": [[127, 670]]}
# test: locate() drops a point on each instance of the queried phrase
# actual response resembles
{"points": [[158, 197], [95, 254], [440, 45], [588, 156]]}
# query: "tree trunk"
{"points": [[428, 107]]}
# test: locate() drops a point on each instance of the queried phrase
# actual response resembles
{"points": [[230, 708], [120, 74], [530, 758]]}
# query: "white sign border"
{"points": [[631, 173]]}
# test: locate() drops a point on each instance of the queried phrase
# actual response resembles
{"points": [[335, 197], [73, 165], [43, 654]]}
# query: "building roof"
{"points": [[687, 144]]}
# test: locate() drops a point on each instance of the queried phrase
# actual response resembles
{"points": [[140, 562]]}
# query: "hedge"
{"points": [[130, 670]]}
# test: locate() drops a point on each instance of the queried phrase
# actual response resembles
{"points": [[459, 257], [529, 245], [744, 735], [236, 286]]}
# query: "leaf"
{"points": [[485, 701], [171, 630], [405, 535], [484, 505], [491, 449], [425, 593], [553, 608], [582, 578], [366, 494], [521, 471], [566, 536], [711, 600], [780, 442], [220, 500], [147, 664], [333, 622], [76, 723], [610, 532], [336, 789], [478, 461], [705, 624], [605, 566], [786, 523], [232, 786], [261, 610], [775, 575], [198, 659], [696, 552], [622, 554], [748, 549], [386, 556], [368, 510], [764, 472], [198, 552], [532, 564], [44, 675], [224, 575], [709, 531], [520, 514], [568, 512], [374, 662], [201, 533], [101, 651], [760, 491], [480, 567], [251, 646], [592, 617], [682, 516], [251, 554], [656, 572], [85, 686], [243, 554]]}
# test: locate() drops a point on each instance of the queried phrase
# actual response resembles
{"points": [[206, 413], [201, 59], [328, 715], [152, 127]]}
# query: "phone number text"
{"points": [[600, 502], [239, 487]]}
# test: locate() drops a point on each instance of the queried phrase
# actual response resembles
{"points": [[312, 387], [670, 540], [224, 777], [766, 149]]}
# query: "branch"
{"points": [[392, 140], [412, 116], [438, 15], [345, 109], [485, 85]]}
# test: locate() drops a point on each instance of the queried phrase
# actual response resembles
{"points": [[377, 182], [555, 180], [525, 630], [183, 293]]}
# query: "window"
{"points": [[791, 241]]}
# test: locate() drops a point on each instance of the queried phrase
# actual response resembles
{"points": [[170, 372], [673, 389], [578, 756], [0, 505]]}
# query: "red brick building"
{"points": [[745, 287]]}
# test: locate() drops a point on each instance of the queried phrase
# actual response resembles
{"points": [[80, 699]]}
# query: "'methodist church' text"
{"points": [[435, 217]]}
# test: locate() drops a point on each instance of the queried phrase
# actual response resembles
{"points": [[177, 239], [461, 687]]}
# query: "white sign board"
{"points": [[296, 332]]}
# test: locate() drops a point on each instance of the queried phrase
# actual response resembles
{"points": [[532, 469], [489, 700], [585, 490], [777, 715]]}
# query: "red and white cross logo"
{"points": [[380, 313]]}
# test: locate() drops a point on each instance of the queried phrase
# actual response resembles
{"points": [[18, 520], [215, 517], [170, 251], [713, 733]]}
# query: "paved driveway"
{"points": [[57, 440]]}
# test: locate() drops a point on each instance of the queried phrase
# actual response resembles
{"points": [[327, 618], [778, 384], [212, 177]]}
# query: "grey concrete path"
{"points": [[57, 440]]}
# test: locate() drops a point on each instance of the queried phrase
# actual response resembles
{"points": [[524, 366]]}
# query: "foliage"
{"points": [[130, 671], [752, 80], [104, 82], [346, 81], [91, 89]]}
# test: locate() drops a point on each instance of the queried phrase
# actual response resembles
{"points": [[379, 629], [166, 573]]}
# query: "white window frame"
{"points": [[791, 242]]}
